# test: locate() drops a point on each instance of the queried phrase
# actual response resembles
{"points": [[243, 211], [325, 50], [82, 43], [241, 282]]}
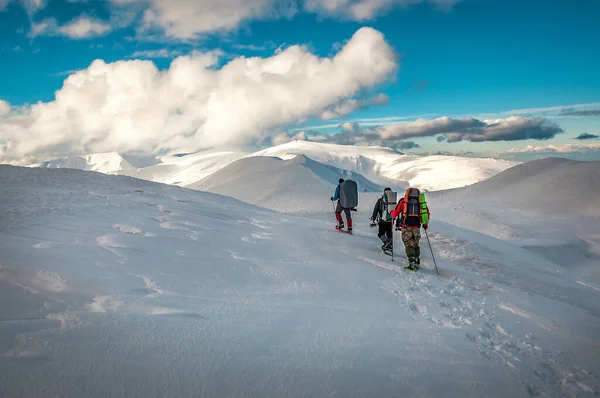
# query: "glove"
{"points": [[331, 198], [371, 223], [425, 226]]}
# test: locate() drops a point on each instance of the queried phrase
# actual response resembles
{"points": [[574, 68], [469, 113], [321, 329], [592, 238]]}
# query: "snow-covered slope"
{"points": [[382, 166], [113, 286], [387, 166], [550, 206], [545, 186], [297, 185]]}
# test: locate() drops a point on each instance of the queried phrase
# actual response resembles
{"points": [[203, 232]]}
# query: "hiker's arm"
{"points": [[336, 195], [375, 209], [396, 212]]}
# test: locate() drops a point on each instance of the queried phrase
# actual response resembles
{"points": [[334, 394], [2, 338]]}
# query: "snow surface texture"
{"points": [[382, 166], [113, 286]]}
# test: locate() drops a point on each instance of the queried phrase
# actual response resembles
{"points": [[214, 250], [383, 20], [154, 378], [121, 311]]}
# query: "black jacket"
{"points": [[377, 212]]}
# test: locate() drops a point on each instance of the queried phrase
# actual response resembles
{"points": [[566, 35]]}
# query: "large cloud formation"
{"points": [[131, 105], [514, 128]]}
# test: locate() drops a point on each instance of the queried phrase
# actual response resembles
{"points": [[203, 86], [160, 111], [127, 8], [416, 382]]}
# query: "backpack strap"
{"points": [[404, 212]]}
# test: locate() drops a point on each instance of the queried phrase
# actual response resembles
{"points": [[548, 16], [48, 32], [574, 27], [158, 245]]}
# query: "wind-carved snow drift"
{"points": [[114, 286]]}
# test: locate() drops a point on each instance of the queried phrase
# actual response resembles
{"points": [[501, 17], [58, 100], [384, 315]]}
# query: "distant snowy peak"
{"points": [[110, 162], [366, 161], [317, 149]]}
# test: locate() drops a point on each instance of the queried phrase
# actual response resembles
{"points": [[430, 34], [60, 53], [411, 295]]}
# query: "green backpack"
{"points": [[424, 209]]}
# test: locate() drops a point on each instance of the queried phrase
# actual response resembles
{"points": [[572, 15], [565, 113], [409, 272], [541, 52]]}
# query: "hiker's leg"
{"points": [[413, 242], [389, 235], [417, 246], [389, 230], [408, 247], [381, 232], [338, 215], [348, 218], [348, 214]]}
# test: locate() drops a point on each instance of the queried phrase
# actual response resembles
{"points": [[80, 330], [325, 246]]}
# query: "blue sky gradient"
{"points": [[481, 58]]}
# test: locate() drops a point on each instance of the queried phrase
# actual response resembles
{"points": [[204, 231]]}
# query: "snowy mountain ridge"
{"points": [[380, 165]]}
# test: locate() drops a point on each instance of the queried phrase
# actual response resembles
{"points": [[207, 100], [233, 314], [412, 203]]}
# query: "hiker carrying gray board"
{"points": [[346, 195]]}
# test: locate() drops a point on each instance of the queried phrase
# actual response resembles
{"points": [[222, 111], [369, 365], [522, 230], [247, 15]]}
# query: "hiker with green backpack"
{"points": [[411, 213]]}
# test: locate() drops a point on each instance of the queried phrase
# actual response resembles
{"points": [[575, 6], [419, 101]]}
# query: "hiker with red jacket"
{"points": [[410, 213]]}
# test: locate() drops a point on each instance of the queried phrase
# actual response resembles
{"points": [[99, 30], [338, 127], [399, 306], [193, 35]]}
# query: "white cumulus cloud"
{"points": [[131, 105], [186, 19], [189, 19], [82, 27], [4, 107]]}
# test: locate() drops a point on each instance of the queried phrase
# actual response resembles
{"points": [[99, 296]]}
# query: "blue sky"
{"points": [[477, 59]]}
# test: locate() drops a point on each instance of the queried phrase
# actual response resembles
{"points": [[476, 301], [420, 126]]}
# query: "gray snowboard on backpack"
{"points": [[349, 194]]}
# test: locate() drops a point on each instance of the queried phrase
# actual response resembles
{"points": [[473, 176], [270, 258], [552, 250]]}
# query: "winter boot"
{"points": [[389, 244], [349, 225], [384, 239]]}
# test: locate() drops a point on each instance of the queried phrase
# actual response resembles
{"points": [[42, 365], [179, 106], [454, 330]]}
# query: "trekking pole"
{"points": [[392, 245], [430, 248]]}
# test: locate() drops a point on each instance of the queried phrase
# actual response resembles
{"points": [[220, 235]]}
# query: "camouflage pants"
{"points": [[411, 238]]}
